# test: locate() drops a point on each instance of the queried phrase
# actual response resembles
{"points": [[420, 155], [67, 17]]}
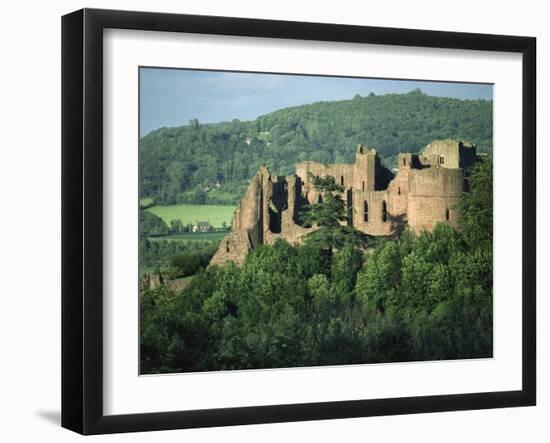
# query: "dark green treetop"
{"points": [[329, 214]]}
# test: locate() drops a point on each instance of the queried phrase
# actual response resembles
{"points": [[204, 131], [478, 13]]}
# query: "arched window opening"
{"points": [[226, 246], [366, 211], [342, 180], [320, 199], [363, 187], [404, 161], [399, 190], [384, 211], [447, 214], [441, 159]]}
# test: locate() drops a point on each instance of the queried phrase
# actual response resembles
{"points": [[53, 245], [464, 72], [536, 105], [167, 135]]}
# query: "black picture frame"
{"points": [[82, 218]]}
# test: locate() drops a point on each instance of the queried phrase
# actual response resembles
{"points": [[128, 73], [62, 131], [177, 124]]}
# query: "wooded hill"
{"points": [[212, 163]]}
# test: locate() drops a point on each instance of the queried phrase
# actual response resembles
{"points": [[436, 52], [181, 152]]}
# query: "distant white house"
{"points": [[202, 226]]}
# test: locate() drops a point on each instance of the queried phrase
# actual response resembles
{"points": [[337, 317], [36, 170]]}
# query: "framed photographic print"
{"points": [[269, 221]]}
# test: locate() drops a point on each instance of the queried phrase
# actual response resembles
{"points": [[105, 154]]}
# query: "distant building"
{"points": [[202, 226]]}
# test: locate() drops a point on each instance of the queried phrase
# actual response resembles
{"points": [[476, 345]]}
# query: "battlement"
{"points": [[363, 149]]}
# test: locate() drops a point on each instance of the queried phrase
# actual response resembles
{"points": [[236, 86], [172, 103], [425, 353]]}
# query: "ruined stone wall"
{"points": [[248, 209], [290, 216], [443, 153], [247, 224], [303, 170], [234, 247], [424, 191], [177, 285], [342, 173], [268, 210], [398, 189], [451, 154], [359, 175], [364, 169], [151, 281], [434, 195], [378, 219], [156, 280], [267, 190], [295, 234]]}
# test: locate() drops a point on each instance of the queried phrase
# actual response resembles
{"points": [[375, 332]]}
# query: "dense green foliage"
{"points": [[477, 207], [173, 258], [213, 163], [419, 297], [184, 265], [151, 224]]}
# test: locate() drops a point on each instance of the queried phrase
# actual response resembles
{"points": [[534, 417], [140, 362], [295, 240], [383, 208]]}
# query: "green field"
{"points": [[192, 236], [213, 214], [145, 201]]}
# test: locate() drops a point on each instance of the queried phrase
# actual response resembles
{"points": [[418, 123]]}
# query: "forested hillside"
{"points": [[212, 163], [327, 302]]}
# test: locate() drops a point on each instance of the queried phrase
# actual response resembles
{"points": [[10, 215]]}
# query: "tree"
{"points": [[330, 210], [176, 226], [476, 222], [379, 279], [346, 264], [200, 197], [151, 224], [328, 215]]}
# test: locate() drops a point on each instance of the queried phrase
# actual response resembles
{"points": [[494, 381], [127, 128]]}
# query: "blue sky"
{"points": [[172, 97]]}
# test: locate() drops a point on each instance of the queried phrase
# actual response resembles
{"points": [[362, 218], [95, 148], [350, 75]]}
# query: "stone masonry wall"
{"points": [[378, 220], [434, 194], [450, 154]]}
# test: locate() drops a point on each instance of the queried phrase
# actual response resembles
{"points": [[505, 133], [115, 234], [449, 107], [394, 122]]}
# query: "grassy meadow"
{"points": [[192, 237], [214, 214]]}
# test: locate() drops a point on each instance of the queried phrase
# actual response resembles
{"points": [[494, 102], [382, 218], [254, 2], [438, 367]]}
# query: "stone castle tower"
{"points": [[424, 190]]}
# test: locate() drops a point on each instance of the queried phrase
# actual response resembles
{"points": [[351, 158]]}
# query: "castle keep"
{"points": [[424, 189]]}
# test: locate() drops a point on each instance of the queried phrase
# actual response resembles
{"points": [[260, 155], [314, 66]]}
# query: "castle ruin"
{"points": [[425, 189]]}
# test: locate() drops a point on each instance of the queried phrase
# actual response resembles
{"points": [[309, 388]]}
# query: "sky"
{"points": [[172, 97]]}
